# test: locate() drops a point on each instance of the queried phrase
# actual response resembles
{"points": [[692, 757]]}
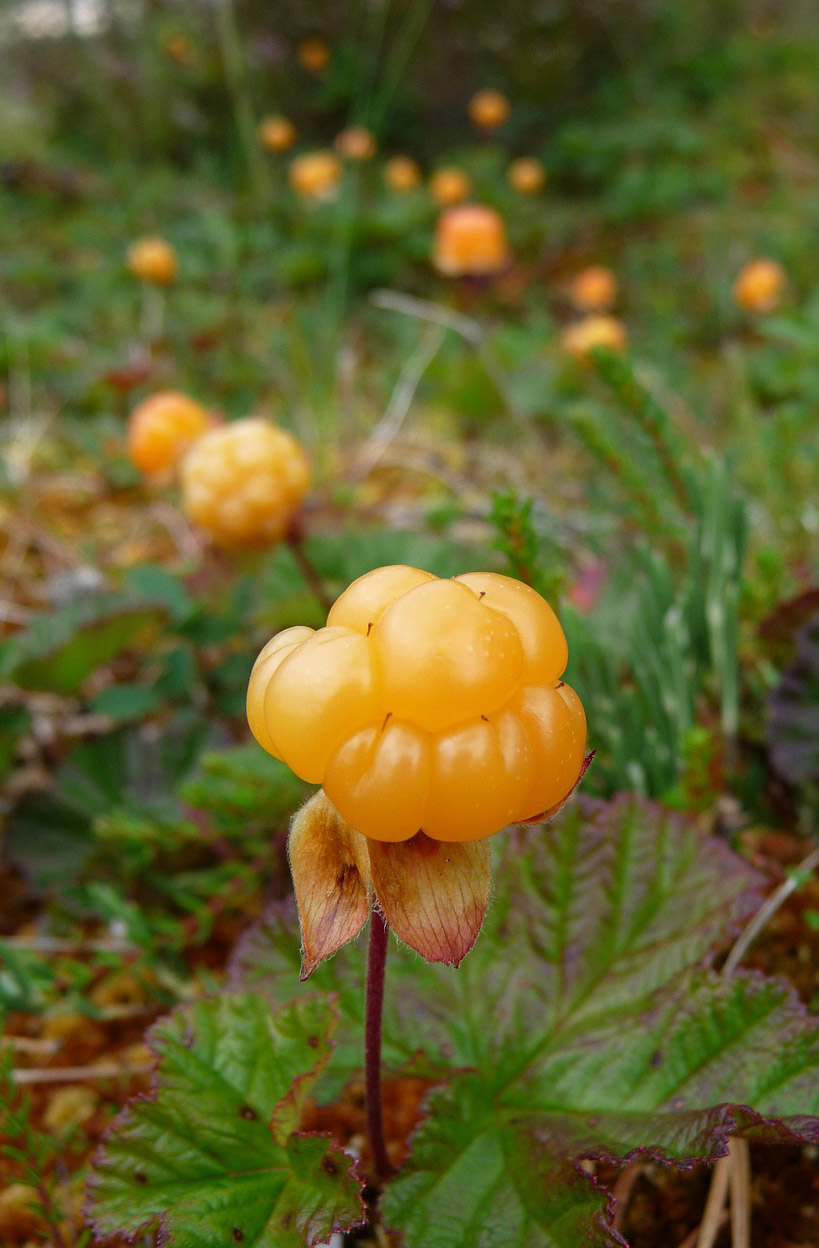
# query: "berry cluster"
{"points": [[425, 704]]}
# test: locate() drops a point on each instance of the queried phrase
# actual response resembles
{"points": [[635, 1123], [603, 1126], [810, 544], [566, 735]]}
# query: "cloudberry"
{"points": [[759, 286], [244, 482], [425, 705], [315, 175], [276, 134], [526, 175], [152, 260], [489, 109], [449, 185], [593, 289], [162, 428], [470, 240]]}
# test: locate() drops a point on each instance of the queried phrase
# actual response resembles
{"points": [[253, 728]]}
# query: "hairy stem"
{"points": [[376, 968]]}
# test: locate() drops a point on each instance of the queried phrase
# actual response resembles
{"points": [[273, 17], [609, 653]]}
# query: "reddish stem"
{"points": [[376, 968]]}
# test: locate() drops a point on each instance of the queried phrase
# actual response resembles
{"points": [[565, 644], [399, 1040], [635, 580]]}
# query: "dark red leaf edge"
{"points": [[159, 1225]]}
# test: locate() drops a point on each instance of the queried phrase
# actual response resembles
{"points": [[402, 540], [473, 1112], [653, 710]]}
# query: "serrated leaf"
{"points": [[214, 1157], [585, 1023], [478, 1179]]}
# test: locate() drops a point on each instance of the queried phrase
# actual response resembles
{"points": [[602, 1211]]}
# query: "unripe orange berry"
{"points": [[356, 143], [402, 174], [593, 331], [152, 260], [449, 185], [314, 55], [425, 705], [470, 240], [526, 175], [244, 482], [277, 134], [593, 289], [315, 175], [162, 428], [489, 109], [759, 286]]}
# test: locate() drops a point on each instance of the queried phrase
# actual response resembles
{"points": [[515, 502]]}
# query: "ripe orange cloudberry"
{"points": [[759, 286], [356, 143], [470, 241], [152, 260], [593, 331], [425, 705], [526, 175], [276, 134], [315, 175], [162, 428], [244, 482], [593, 289], [449, 185], [489, 109], [401, 174]]}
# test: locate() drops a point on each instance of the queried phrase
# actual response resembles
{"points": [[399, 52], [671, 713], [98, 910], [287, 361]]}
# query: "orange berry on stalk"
{"points": [[526, 175], [425, 705], [489, 109], [759, 286], [593, 289], [449, 185], [356, 143], [314, 55], [162, 428], [244, 482], [470, 241], [152, 260], [593, 331], [315, 175], [277, 134], [402, 174]]}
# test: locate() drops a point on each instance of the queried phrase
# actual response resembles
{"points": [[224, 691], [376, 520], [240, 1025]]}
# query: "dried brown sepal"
{"points": [[553, 810], [330, 869], [433, 894]]}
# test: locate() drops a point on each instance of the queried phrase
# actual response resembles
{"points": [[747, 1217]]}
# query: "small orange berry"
{"points": [[449, 185], [152, 260], [277, 134], [593, 289], [162, 428], [759, 286], [470, 240], [489, 109], [315, 175], [356, 143], [526, 175], [244, 482], [402, 174], [314, 55], [593, 331]]}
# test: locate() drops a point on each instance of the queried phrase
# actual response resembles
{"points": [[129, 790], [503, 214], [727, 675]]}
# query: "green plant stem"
{"points": [[376, 970]]}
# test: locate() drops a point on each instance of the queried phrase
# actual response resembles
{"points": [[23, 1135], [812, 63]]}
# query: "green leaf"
{"points": [[128, 701], [215, 1156], [479, 1178], [584, 1024], [58, 650]]}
